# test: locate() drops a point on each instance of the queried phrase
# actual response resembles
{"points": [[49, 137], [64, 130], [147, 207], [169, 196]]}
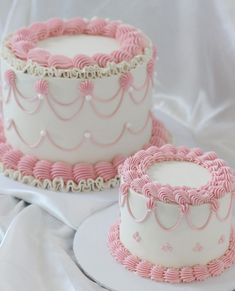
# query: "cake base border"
{"points": [[146, 269]]}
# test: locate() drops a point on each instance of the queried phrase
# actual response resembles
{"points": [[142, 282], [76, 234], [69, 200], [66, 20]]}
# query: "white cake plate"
{"points": [[94, 260]]}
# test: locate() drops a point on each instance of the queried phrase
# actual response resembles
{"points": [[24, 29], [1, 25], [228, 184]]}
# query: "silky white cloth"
{"points": [[194, 97]]}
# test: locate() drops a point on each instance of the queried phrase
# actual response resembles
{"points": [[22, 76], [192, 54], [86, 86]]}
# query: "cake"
{"points": [[175, 215], [76, 102]]}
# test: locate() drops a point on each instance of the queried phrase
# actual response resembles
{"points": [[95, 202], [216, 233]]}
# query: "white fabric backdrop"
{"points": [[194, 97]]}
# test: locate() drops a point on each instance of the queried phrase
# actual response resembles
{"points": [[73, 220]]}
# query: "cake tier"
{"points": [[176, 206], [77, 90]]}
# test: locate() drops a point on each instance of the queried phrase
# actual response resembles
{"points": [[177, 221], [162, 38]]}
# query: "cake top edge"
{"points": [[134, 175], [22, 49]]}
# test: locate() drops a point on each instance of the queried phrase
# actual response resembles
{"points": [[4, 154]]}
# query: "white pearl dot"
{"points": [[40, 97], [128, 125], [42, 132], [87, 134], [88, 98]]}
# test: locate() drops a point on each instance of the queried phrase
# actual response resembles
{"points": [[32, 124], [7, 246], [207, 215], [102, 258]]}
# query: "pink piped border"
{"points": [[134, 175], [60, 176], [158, 273], [23, 43]]}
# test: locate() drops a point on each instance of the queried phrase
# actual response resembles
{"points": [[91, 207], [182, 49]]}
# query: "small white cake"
{"points": [[76, 101], [175, 215]]}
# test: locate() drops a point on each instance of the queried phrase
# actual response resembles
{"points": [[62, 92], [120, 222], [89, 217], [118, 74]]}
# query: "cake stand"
{"points": [[95, 261]]}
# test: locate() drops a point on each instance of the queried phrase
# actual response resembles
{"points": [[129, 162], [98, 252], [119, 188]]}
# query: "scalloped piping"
{"points": [[159, 136], [171, 275], [134, 174]]}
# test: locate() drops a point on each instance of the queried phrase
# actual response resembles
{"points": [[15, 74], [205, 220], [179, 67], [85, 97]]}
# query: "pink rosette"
{"points": [[121, 253], [102, 59], [157, 273], [60, 61], [201, 272], [121, 55], [110, 28], [142, 154], [11, 158], [123, 30], [42, 170], [130, 262], [138, 184], [187, 275], [215, 267], [55, 26], [26, 165], [81, 61], [165, 194], [74, 26], [84, 171], [135, 38], [39, 56], [117, 161], [22, 47], [125, 81], [150, 190], [194, 197], [144, 269], [133, 49], [42, 87], [10, 77], [86, 87], [130, 176], [105, 170], [172, 275], [62, 170], [95, 26], [25, 34], [39, 29], [4, 148], [114, 245]]}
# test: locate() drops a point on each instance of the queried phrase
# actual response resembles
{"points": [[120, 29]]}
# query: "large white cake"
{"points": [[76, 102], [175, 215]]}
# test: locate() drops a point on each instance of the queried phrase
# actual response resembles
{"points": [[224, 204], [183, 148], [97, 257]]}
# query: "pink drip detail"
{"points": [[81, 171], [172, 275]]}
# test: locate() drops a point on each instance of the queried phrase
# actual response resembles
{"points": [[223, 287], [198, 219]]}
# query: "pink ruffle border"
{"points": [[23, 43], [134, 174], [172, 275], [80, 174]]}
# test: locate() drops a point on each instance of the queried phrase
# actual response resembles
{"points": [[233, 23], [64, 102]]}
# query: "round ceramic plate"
{"points": [[94, 259]]}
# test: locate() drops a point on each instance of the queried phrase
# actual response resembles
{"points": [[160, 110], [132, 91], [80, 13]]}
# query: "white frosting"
{"points": [[69, 133], [71, 45], [179, 173]]}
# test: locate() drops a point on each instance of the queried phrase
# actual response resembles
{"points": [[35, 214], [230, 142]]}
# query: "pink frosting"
{"points": [[82, 61], [11, 158], [22, 47], [132, 42], [26, 165], [150, 68], [95, 26], [42, 87], [39, 56], [83, 171], [74, 26], [221, 177], [185, 274], [60, 61], [86, 87], [4, 148], [55, 26], [10, 77], [39, 29], [126, 81], [117, 161], [105, 170], [42, 170], [102, 59], [61, 170]]}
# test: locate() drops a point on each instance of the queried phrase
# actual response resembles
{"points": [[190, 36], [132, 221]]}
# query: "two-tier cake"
{"points": [[175, 215], [76, 102]]}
